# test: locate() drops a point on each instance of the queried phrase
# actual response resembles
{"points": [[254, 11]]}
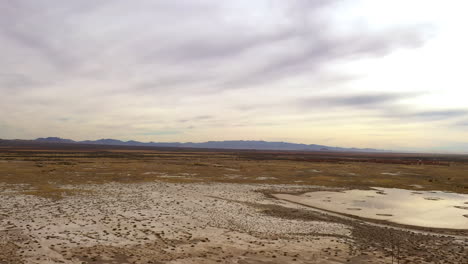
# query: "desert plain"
{"points": [[102, 204]]}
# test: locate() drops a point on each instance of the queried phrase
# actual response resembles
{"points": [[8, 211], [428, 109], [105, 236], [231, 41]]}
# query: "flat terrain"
{"points": [[95, 204]]}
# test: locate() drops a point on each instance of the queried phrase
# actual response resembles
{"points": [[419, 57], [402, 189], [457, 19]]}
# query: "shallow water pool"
{"points": [[417, 208]]}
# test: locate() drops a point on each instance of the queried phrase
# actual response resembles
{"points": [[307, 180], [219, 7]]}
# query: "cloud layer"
{"points": [[182, 70]]}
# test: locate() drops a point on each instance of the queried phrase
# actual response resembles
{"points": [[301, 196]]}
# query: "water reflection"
{"points": [[422, 208]]}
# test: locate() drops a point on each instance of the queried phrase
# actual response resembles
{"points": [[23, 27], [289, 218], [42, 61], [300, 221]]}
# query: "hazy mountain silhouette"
{"points": [[230, 144], [55, 140]]}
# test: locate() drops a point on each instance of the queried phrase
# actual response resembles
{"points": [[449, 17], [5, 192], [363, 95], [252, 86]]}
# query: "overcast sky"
{"points": [[349, 73]]}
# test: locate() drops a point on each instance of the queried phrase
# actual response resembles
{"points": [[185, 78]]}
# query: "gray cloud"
{"points": [[204, 117], [314, 48], [333, 102], [406, 113], [462, 124], [157, 44], [359, 100], [15, 81], [440, 114], [384, 106], [146, 64]]}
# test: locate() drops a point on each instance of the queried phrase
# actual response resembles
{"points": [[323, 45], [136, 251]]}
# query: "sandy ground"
{"points": [[178, 223]]}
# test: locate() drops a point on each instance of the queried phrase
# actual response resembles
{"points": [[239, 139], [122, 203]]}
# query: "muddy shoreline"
{"points": [[411, 228]]}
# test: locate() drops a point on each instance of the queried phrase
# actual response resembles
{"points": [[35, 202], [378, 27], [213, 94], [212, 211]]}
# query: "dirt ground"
{"points": [[163, 206]]}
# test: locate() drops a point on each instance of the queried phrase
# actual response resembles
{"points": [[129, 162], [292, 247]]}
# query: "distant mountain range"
{"points": [[232, 144]]}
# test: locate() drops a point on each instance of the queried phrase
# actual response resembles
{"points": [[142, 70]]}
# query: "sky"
{"points": [[349, 73]]}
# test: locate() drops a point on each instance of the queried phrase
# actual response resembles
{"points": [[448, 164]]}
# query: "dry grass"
{"points": [[45, 173]]}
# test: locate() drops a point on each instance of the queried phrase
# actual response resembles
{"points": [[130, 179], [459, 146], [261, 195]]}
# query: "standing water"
{"points": [[434, 209]]}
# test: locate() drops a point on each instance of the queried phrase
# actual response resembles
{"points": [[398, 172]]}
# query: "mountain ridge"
{"points": [[226, 144]]}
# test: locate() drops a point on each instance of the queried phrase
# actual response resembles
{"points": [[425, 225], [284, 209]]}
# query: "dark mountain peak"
{"points": [[55, 140]]}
